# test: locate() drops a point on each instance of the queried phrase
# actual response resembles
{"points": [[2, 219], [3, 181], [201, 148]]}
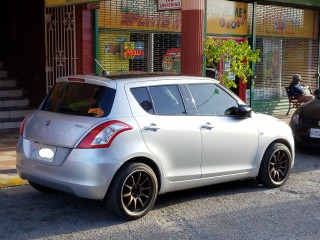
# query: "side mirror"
{"points": [[244, 111], [241, 111]]}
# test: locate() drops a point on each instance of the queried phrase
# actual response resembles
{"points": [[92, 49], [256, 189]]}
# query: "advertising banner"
{"points": [[286, 22], [142, 16], [227, 18]]}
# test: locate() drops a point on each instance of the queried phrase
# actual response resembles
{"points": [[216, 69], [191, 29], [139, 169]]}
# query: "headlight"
{"points": [[295, 119]]}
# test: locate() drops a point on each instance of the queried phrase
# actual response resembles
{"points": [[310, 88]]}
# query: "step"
{"points": [[10, 83], [11, 113], [14, 102], [10, 123], [10, 92], [3, 73]]}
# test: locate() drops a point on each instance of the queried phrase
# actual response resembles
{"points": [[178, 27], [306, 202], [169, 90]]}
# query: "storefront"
{"points": [[288, 40], [144, 36], [137, 36]]}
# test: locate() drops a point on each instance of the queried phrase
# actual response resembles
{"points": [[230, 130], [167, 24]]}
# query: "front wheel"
{"points": [[275, 166], [133, 191]]}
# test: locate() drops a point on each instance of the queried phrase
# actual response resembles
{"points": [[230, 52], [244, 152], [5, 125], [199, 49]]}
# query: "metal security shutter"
{"points": [[126, 20], [139, 65], [162, 43], [282, 55]]}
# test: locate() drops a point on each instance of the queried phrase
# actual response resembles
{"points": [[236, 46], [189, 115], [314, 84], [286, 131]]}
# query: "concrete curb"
{"points": [[11, 182]]}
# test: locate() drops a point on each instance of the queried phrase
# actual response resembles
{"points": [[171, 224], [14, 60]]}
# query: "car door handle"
{"points": [[206, 126], [153, 127]]}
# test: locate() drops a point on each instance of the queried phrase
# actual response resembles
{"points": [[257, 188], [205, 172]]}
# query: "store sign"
{"points": [[172, 61], [132, 16], [227, 17], [169, 4], [132, 50], [54, 3], [287, 23]]}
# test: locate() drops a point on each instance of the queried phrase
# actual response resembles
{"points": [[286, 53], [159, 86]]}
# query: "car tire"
{"points": [[41, 188], [275, 166], [133, 191]]}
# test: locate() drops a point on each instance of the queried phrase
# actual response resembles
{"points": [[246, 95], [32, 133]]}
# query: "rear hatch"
{"points": [[69, 111]]}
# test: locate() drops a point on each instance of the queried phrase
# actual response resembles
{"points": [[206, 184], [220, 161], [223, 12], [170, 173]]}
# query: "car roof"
{"points": [[112, 79]]}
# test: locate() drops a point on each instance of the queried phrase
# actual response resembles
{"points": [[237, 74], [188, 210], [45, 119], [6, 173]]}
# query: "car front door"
{"points": [[229, 142]]}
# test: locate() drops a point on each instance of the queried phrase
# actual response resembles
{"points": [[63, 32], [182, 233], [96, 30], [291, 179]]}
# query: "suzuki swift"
{"points": [[125, 139]]}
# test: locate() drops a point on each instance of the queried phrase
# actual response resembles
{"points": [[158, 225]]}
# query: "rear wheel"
{"points": [[41, 188], [133, 191], [275, 166]]}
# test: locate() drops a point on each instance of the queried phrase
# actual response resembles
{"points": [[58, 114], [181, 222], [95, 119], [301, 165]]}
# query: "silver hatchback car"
{"points": [[125, 139]]}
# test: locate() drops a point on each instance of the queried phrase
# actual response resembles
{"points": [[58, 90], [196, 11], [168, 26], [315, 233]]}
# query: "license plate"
{"points": [[314, 132], [46, 153]]}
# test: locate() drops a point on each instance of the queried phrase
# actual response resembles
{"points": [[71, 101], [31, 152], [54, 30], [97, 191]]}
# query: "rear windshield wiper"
{"points": [[66, 109]]}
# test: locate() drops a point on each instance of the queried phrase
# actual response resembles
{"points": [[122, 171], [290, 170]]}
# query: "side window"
{"points": [[210, 99], [142, 96], [167, 100]]}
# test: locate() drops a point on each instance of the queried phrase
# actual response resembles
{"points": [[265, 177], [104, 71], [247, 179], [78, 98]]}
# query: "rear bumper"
{"points": [[86, 173], [302, 137]]}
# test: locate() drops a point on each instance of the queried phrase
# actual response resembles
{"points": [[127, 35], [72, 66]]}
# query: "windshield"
{"points": [[80, 99]]}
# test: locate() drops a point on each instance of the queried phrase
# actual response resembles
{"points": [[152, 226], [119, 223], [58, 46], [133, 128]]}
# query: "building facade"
{"points": [[159, 36]]}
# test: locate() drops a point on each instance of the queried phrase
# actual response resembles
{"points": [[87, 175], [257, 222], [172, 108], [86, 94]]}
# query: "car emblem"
{"points": [[48, 123]]}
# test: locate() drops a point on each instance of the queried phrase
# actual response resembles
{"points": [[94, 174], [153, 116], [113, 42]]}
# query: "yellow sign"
{"points": [[127, 15], [54, 3], [227, 18], [294, 23]]}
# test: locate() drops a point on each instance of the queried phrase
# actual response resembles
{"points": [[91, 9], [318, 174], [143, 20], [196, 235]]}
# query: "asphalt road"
{"points": [[237, 210]]}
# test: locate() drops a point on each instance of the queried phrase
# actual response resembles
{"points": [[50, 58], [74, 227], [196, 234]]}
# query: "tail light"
{"points": [[22, 125], [103, 135]]}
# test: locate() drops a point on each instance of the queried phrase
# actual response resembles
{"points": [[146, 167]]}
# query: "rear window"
{"points": [[80, 99]]}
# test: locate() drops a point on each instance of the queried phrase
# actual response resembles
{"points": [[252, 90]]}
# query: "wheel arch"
{"points": [[149, 162], [284, 142]]}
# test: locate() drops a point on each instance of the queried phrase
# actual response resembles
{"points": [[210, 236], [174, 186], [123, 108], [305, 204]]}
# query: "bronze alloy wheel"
{"points": [[279, 166], [137, 192], [275, 166], [133, 192]]}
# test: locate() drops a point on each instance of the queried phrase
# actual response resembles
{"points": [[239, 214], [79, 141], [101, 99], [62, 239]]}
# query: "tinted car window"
{"points": [[167, 100], [80, 99], [142, 96], [210, 99]]}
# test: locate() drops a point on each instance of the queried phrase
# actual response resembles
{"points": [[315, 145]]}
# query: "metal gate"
{"points": [[60, 46]]}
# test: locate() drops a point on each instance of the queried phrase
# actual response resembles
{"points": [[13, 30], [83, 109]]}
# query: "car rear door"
{"points": [[169, 133]]}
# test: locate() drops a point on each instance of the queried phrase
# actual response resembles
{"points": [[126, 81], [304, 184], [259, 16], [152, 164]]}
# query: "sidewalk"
{"points": [[8, 141], [8, 173]]}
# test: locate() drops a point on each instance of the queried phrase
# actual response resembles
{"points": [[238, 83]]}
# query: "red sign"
{"points": [[133, 52]]}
